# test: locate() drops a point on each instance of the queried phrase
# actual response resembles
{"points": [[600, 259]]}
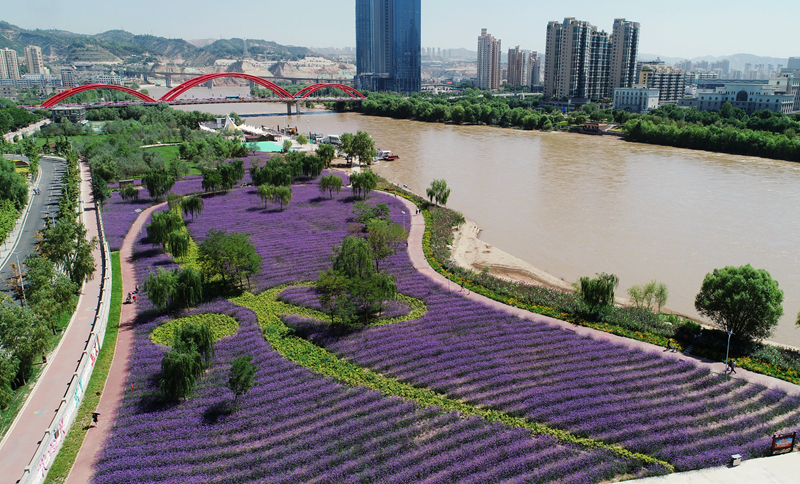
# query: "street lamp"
{"points": [[309, 128], [21, 280], [404, 218], [730, 333], [449, 268]]}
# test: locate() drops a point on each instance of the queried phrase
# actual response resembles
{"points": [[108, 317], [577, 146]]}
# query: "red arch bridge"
{"points": [[281, 95]]}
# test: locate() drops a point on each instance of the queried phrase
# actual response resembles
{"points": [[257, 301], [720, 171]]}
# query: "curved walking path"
{"points": [[83, 469], [22, 440]]}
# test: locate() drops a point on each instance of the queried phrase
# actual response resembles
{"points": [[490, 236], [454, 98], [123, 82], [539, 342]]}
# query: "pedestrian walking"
{"points": [[732, 364], [462, 285]]}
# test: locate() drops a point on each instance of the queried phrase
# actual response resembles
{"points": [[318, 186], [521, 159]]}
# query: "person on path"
{"points": [[462, 285], [732, 364]]}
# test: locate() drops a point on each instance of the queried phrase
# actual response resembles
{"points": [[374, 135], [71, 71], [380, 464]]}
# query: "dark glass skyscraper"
{"points": [[388, 45]]}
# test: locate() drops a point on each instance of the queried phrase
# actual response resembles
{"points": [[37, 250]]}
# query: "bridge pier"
{"points": [[168, 81], [210, 84]]}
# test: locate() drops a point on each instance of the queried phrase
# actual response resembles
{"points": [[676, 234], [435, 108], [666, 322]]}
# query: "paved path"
{"points": [[83, 470], [37, 415], [21, 242], [779, 469]]}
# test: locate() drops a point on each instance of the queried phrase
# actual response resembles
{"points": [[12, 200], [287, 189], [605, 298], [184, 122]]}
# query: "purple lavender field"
{"points": [[296, 426]]}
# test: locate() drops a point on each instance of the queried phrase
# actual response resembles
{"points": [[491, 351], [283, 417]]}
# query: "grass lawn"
{"points": [[72, 444], [171, 154]]}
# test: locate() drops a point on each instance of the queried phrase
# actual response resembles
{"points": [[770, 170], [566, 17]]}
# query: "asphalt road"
{"points": [[42, 205]]}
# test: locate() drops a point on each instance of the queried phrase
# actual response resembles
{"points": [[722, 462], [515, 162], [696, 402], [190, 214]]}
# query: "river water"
{"points": [[574, 205]]}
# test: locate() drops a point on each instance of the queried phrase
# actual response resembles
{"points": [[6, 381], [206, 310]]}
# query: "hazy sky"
{"points": [[676, 28]]}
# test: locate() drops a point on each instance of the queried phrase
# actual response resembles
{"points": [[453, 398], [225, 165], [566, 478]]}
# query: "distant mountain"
{"points": [[737, 60], [115, 46]]}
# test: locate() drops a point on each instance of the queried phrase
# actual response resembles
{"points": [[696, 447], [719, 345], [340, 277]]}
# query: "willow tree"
{"points": [[192, 205]]}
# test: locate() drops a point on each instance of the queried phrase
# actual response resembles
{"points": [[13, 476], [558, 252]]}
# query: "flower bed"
{"points": [[303, 422], [296, 426]]}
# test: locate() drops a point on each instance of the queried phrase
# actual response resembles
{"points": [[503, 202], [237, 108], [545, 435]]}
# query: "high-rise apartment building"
{"points": [[388, 37], [68, 78], [669, 81], [488, 61], [794, 63], [33, 59], [516, 67], [9, 65], [724, 65], [533, 73], [624, 48], [577, 59]]}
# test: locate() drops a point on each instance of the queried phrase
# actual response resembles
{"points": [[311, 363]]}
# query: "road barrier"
{"points": [[54, 436]]}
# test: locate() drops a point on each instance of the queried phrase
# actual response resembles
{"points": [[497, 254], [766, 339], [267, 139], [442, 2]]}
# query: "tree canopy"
{"points": [[741, 299]]}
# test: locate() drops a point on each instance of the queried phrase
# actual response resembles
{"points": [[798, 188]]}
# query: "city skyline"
{"points": [[686, 30]]}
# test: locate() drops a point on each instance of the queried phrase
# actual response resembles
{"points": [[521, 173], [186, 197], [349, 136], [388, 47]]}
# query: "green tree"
{"points": [[161, 225], [282, 195], [159, 287], [192, 205], [346, 145], [9, 366], [200, 337], [330, 183], [100, 190], [652, 295], [363, 182], [302, 139], [265, 192], [363, 147], [327, 152], [287, 145], [129, 193], [598, 292], [438, 191], [384, 238], [188, 288], [240, 380], [158, 182], [741, 299], [12, 186], [212, 179], [24, 334], [179, 371], [229, 256], [178, 243], [333, 288]]}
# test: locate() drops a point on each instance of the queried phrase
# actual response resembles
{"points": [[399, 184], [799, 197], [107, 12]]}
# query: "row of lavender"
{"points": [[120, 214], [646, 402], [295, 426]]}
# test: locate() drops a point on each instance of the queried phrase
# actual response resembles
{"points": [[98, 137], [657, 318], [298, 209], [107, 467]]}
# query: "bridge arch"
{"points": [[88, 87], [303, 93], [176, 91]]}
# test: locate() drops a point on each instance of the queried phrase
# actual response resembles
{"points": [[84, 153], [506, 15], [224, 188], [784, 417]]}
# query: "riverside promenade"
{"points": [[83, 469], [22, 439]]}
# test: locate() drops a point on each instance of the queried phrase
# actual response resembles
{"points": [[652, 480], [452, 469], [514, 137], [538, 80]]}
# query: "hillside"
{"points": [[119, 46]]}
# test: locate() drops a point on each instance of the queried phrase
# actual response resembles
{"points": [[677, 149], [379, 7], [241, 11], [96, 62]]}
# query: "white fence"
{"points": [[54, 436]]}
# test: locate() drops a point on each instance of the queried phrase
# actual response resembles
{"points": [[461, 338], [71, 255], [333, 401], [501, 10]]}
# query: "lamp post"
{"points": [[309, 129], [404, 218], [449, 268], [727, 351], [21, 280]]}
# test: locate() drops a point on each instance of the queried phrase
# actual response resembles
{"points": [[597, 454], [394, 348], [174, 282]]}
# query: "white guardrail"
{"points": [[54, 436]]}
